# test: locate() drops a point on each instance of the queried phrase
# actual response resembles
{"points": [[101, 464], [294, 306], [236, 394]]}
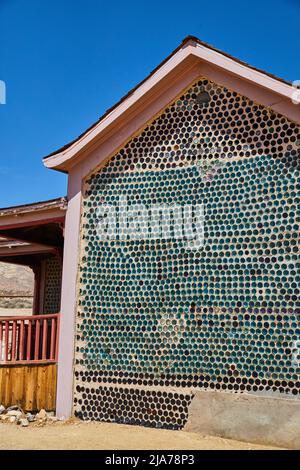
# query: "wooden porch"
{"points": [[28, 358], [32, 235]]}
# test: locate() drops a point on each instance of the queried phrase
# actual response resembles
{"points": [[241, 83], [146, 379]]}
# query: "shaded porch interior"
{"points": [[33, 236]]}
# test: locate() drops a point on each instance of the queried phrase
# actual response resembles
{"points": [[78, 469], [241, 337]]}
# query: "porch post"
{"points": [[65, 372]]}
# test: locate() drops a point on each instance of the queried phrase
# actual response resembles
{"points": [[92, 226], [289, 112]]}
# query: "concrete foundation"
{"points": [[246, 417]]}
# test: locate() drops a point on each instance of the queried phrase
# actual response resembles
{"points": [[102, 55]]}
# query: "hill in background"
{"points": [[15, 280]]}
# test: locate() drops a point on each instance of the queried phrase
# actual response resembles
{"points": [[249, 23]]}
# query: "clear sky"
{"points": [[65, 62]]}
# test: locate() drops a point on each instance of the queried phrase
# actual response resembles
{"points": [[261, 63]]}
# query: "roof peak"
{"points": [[201, 51]]}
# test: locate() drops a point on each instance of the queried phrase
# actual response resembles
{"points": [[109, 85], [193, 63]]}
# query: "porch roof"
{"points": [[31, 232], [40, 206]]}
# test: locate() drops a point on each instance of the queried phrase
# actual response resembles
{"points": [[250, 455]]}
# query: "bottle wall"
{"points": [[158, 318]]}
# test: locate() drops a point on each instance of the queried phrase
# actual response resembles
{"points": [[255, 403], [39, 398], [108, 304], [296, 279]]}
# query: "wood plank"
{"points": [[32, 387], [17, 386], [50, 388], [40, 395], [7, 385]]}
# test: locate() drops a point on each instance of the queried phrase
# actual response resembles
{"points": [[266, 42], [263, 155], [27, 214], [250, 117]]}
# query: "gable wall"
{"points": [[157, 320]]}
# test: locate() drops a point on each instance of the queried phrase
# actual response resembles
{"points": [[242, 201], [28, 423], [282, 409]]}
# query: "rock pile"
{"points": [[15, 414]]}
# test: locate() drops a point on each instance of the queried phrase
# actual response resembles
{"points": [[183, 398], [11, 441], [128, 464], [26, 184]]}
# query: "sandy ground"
{"points": [[76, 435]]}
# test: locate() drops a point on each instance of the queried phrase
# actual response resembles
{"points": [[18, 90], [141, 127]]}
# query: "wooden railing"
{"points": [[30, 339]]}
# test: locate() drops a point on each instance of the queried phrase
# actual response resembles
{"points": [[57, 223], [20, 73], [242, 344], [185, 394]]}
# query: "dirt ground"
{"points": [[77, 435]]}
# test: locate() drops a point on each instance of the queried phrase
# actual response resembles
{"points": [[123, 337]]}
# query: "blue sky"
{"points": [[65, 62]]}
